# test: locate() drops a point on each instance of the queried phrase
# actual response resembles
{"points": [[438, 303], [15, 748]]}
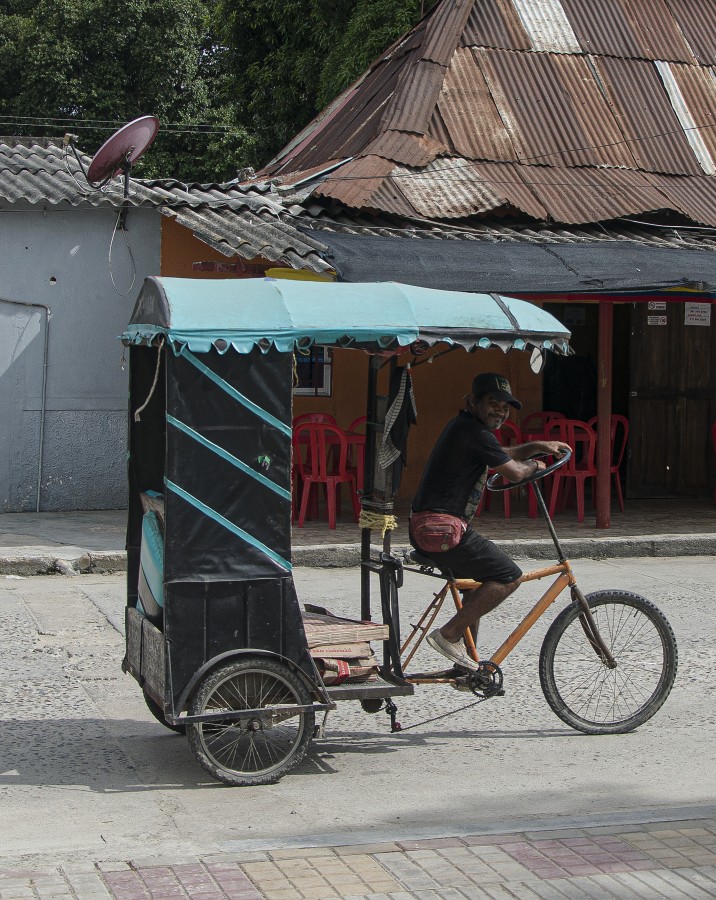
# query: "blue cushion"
{"points": [[151, 566]]}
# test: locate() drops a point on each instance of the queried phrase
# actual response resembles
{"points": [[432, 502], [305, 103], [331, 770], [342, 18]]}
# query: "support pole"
{"points": [[368, 480], [604, 413]]}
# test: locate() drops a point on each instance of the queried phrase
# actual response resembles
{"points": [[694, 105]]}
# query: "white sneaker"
{"points": [[456, 653]]}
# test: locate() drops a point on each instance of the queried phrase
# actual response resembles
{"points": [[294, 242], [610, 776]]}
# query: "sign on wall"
{"points": [[697, 313]]}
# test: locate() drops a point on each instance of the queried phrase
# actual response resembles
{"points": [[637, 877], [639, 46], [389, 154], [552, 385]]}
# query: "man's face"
{"points": [[491, 411]]}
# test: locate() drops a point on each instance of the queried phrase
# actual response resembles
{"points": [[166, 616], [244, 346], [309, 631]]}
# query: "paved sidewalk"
{"points": [[652, 860], [93, 541]]}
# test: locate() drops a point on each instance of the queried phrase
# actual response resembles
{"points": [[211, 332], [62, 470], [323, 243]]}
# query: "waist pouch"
{"points": [[436, 532]]}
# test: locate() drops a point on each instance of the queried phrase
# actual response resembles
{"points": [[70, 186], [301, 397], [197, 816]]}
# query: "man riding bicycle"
{"points": [[448, 496]]}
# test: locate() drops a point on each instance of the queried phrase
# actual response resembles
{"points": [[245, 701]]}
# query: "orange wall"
{"points": [[439, 390], [180, 250]]}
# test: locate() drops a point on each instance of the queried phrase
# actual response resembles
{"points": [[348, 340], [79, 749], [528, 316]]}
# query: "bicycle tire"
{"points": [[239, 752], [582, 690]]}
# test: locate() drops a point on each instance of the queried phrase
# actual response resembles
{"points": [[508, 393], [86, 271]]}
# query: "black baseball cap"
{"points": [[498, 385]]}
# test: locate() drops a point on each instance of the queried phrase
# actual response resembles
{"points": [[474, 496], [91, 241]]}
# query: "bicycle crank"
{"points": [[487, 680]]}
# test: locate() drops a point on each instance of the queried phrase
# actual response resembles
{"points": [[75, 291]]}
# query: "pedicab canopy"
{"points": [[267, 313]]}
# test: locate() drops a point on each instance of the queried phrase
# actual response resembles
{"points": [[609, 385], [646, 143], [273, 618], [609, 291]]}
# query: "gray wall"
{"points": [[60, 257]]}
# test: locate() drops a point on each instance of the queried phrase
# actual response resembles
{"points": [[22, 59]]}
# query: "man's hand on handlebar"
{"points": [[554, 448]]}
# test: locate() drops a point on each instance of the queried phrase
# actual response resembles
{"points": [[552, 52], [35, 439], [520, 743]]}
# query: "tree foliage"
{"points": [[290, 58], [114, 60], [252, 71]]}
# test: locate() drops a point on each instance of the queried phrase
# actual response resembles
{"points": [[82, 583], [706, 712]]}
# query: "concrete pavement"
{"points": [[99, 800]]}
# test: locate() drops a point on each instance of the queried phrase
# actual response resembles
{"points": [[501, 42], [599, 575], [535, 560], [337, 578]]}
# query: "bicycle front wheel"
{"points": [[579, 686]]}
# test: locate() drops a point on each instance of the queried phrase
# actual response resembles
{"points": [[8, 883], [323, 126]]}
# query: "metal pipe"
{"points": [[373, 365], [548, 520], [604, 413], [43, 406]]}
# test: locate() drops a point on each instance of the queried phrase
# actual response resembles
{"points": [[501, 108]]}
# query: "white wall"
{"points": [[59, 257]]}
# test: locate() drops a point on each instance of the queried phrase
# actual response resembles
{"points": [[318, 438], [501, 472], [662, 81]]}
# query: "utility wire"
{"points": [[97, 124]]}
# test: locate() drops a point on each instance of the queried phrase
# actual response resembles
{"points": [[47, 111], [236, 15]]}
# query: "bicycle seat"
{"points": [[420, 559]]}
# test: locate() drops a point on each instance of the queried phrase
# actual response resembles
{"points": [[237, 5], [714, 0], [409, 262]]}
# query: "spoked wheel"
{"points": [[257, 749], [582, 690]]}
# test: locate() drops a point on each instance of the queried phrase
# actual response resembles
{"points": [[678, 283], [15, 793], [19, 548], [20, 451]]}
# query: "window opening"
{"points": [[313, 373]]}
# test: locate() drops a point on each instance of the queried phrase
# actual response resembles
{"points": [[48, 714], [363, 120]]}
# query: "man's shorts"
{"points": [[478, 558]]}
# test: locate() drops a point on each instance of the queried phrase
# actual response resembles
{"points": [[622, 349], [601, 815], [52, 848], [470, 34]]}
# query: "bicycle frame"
{"points": [[453, 587]]}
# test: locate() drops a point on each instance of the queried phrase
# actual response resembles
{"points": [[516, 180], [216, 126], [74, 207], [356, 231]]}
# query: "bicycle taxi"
{"points": [[215, 634]]}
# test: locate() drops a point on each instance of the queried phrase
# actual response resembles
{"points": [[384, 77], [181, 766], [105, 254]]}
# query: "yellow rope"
{"points": [[374, 520]]}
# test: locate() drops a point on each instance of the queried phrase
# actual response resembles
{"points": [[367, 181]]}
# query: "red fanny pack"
{"points": [[436, 532]]}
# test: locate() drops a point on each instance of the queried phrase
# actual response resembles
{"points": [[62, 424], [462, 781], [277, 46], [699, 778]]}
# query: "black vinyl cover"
{"points": [[198, 546], [509, 268]]}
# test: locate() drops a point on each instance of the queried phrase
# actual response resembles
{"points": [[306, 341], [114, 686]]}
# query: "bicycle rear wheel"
{"points": [[582, 690]]}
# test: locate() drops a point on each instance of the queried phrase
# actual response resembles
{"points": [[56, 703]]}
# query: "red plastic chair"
{"points": [[321, 454], [536, 422], [618, 434], [325, 418], [552, 431], [508, 435], [357, 425], [579, 468]]}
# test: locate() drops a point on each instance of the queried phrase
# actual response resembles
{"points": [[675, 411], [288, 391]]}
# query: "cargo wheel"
{"points": [[251, 749]]}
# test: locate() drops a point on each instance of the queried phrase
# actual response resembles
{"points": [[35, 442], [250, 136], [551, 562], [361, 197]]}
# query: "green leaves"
{"points": [[114, 60], [231, 81]]}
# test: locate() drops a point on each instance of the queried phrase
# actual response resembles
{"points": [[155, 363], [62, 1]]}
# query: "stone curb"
{"points": [[91, 562], [337, 555], [334, 556]]}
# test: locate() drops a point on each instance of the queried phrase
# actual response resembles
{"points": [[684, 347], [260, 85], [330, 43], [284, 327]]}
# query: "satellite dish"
{"points": [[124, 148]]}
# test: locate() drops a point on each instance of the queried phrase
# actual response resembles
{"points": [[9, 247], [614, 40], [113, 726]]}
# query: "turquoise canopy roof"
{"points": [[263, 312]]}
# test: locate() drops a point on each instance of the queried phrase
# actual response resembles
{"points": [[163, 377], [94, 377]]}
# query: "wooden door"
{"points": [[672, 404]]}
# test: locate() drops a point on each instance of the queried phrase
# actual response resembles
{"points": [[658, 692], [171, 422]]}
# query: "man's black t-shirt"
{"points": [[456, 471]]}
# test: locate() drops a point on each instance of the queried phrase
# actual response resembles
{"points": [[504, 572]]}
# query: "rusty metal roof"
{"points": [[605, 92]]}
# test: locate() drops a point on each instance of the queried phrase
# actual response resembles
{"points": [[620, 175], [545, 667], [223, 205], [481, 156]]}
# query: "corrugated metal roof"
{"points": [[444, 30], [694, 197], [606, 193], [630, 29], [547, 25], [692, 92], [468, 110], [495, 24], [408, 149], [450, 188], [456, 188], [553, 109], [695, 20], [356, 182], [646, 116], [416, 93], [569, 84]]}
